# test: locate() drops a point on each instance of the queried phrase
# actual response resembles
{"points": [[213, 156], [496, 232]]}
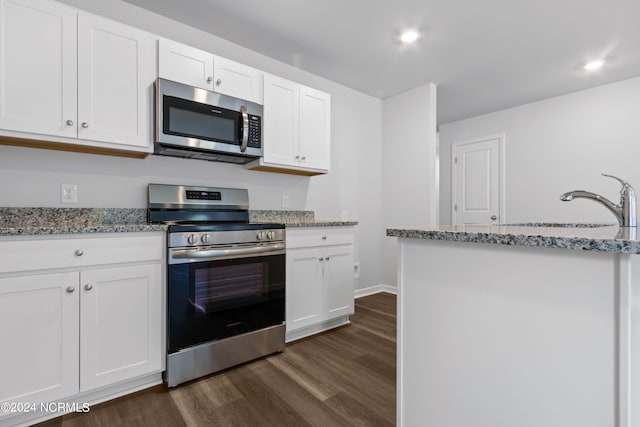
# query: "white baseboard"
{"points": [[358, 293], [316, 328]]}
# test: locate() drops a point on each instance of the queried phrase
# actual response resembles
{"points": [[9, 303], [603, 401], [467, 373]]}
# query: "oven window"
{"points": [[220, 288]]}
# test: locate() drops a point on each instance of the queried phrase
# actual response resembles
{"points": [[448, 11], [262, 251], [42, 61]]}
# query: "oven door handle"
{"points": [[187, 255]]}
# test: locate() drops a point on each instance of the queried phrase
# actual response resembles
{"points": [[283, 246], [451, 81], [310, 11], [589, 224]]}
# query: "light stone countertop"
{"points": [[294, 219], [584, 237], [21, 221], [48, 221]]}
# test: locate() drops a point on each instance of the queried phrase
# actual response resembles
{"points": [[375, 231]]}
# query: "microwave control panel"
{"points": [[255, 131]]}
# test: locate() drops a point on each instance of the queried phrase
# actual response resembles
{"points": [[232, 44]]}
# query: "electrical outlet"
{"points": [[285, 201], [69, 193], [356, 270]]}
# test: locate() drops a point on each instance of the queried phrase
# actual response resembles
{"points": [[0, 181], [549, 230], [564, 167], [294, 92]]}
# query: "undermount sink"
{"points": [[558, 224]]}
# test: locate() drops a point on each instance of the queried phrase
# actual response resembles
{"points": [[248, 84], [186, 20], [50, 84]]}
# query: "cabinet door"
{"points": [[338, 276], [304, 288], [38, 67], [234, 79], [315, 128], [39, 318], [281, 120], [115, 82], [120, 324], [185, 64]]}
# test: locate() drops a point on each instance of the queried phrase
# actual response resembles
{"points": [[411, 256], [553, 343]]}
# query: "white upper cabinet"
{"points": [[185, 64], [234, 79], [38, 66], [297, 129], [74, 78], [315, 128], [281, 120], [115, 77], [195, 67]]}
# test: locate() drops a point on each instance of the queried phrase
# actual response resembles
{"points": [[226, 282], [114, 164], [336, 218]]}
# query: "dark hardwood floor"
{"points": [[343, 377]]}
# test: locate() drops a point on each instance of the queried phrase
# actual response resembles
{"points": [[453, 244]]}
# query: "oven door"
{"points": [[211, 299]]}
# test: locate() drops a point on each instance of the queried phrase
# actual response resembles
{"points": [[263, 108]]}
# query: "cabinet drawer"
{"points": [[27, 255], [319, 236]]}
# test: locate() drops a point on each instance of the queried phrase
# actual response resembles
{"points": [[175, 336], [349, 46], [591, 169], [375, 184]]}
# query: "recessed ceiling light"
{"points": [[594, 65], [409, 36]]}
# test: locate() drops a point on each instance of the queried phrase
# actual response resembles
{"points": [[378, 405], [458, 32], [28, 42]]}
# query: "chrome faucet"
{"points": [[625, 212]]}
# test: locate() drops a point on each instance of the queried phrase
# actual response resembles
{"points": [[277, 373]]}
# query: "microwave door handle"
{"points": [[244, 129]]}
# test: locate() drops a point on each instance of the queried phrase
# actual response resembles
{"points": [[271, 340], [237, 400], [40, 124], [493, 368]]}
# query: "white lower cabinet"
{"points": [[319, 280], [70, 329], [120, 324], [39, 318]]}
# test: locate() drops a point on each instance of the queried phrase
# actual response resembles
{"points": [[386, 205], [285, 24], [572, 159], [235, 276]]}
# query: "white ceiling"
{"points": [[483, 55]]}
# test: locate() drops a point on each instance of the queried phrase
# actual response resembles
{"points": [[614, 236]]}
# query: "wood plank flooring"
{"points": [[343, 377]]}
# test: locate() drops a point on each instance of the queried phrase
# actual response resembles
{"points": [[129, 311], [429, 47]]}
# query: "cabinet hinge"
{"points": [[455, 207], [455, 160]]}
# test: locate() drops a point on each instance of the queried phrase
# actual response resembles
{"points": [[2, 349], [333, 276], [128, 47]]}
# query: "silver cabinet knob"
{"points": [[79, 252], [69, 122], [297, 157], [209, 79], [71, 289], [304, 157], [88, 286], [493, 217], [327, 258], [218, 82], [320, 259], [85, 125], [324, 237]]}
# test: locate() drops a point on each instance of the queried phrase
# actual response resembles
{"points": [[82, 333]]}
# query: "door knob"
{"points": [[493, 217]]}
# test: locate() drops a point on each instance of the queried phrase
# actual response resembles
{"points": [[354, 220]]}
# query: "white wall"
{"points": [[557, 145], [32, 177], [408, 166]]}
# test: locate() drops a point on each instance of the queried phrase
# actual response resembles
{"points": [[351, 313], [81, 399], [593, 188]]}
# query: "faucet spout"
{"points": [[625, 211], [581, 194]]}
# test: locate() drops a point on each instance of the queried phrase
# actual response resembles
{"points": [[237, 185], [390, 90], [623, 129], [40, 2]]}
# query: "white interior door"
{"points": [[477, 181]]}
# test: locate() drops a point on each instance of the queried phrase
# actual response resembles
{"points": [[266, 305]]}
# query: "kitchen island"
{"points": [[522, 325]]}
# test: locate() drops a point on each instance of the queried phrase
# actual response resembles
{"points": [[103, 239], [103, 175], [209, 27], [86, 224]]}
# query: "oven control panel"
{"points": [[230, 237]]}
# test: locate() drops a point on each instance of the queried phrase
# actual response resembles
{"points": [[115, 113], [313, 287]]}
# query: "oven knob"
{"points": [[192, 239], [205, 238], [270, 235], [260, 235]]}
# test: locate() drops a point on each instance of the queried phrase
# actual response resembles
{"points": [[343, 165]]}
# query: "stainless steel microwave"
{"points": [[196, 123]]}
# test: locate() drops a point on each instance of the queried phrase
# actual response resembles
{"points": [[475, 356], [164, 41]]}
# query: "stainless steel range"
{"points": [[226, 280]]}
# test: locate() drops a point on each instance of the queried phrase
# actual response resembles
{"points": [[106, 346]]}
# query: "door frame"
{"points": [[501, 137]]}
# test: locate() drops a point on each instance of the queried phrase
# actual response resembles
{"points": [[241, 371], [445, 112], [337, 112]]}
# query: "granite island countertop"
{"points": [[575, 236]]}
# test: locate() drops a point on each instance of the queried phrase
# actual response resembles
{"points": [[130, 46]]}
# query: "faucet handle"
{"points": [[626, 187]]}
